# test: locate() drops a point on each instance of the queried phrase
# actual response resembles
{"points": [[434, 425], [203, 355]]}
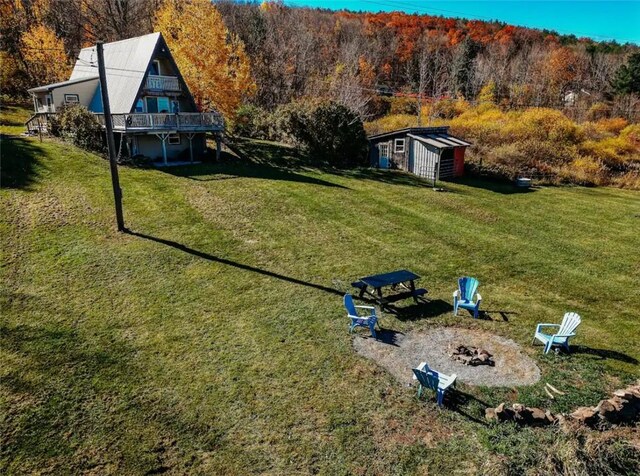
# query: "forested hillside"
{"points": [[353, 57], [263, 63]]}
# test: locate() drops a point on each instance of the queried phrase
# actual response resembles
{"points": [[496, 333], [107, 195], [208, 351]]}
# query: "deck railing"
{"points": [[185, 121], [162, 83]]}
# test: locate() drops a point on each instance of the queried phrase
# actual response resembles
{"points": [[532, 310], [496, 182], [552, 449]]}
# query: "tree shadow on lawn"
{"points": [[74, 396], [53, 388], [235, 264], [603, 354], [493, 185], [283, 159], [239, 168], [21, 159]]}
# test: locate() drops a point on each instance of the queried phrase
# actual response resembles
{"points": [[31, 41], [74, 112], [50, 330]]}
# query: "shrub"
{"points": [[80, 126], [330, 132], [543, 124], [598, 111], [448, 108], [252, 121], [613, 125], [631, 134], [403, 105]]}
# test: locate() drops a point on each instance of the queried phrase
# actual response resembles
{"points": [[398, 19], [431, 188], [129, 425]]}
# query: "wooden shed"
{"points": [[429, 152]]}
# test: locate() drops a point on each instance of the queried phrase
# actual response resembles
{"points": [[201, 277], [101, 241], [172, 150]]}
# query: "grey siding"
{"points": [[151, 146]]}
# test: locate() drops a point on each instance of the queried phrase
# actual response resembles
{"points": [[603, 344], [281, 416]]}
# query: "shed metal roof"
{"points": [[49, 87], [412, 130], [126, 63], [440, 141]]}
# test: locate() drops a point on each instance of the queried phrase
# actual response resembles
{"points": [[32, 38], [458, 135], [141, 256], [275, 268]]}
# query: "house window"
{"points": [[155, 68], [174, 139], [163, 105], [152, 104], [71, 99], [399, 146], [139, 105]]}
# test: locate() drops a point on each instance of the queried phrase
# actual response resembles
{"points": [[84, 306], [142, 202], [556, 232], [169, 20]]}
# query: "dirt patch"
{"points": [[399, 353]]}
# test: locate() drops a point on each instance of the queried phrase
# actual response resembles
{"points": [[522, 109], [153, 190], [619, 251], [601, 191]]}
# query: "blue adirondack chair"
{"points": [[369, 321], [436, 381], [464, 296], [566, 330]]}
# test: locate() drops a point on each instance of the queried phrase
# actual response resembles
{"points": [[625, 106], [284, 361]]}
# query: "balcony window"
{"points": [[139, 106], [157, 104]]}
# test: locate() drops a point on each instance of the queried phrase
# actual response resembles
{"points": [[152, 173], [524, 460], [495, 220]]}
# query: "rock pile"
{"points": [[521, 414], [622, 407], [472, 356]]}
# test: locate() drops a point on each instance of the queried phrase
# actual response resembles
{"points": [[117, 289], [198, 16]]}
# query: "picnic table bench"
{"points": [[403, 278]]}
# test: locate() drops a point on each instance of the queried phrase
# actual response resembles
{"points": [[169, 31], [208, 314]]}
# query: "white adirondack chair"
{"points": [[437, 381], [566, 330]]}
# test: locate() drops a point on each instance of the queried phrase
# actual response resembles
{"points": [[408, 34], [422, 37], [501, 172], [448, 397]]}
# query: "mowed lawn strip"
{"points": [[213, 339]]}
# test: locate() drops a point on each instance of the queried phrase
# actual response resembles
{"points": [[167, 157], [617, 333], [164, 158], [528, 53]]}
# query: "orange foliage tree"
{"points": [[213, 61], [44, 56]]}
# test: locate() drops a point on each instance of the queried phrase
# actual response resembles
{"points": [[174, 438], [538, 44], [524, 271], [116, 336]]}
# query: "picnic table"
{"points": [[403, 279]]}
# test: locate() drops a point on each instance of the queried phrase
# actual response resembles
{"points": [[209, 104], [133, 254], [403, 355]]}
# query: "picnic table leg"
{"points": [[363, 290], [412, 287]]}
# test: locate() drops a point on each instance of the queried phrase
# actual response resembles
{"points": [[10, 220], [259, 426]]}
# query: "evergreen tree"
{"points": [[627, 78]]}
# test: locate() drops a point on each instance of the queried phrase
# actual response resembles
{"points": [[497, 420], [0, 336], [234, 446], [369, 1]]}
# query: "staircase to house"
{"points": [[38, 123]]}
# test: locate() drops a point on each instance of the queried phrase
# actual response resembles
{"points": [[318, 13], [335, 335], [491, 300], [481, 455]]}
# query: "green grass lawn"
{"points": [[213, 340]]}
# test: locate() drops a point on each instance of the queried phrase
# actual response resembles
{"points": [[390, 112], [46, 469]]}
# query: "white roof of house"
{"points": [[126, 62], [61, 84]]}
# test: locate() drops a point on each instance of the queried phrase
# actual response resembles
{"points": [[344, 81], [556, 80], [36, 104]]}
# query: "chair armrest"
{"points": [[456, 293], [564, 335], [366, 307], [546, 325], [478, 298], [351, 316]]}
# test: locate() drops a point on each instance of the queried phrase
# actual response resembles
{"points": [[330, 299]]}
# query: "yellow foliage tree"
{"points": [[212, 61], [44, 56], [488, 93]]}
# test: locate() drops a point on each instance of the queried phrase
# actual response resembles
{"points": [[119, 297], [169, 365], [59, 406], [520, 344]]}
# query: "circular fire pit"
{"points": [[469, 355], [399, 353]]}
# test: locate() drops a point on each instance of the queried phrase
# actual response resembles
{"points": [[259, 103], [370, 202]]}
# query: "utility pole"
{"points": [[111, 145]]}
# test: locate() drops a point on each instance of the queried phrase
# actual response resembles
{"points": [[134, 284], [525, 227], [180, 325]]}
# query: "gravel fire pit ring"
{"points": [[399, 353]]}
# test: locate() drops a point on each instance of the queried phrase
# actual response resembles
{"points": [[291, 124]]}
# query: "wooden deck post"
{"points": [[164, 149], [218, 147], [163, 136], [190, 136]]}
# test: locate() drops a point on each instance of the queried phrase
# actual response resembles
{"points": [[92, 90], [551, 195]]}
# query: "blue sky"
{"points": [[600, 20]]}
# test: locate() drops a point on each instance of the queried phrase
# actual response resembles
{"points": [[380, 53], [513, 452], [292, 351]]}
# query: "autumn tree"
{"points": [[44, 56], [211, 59]]}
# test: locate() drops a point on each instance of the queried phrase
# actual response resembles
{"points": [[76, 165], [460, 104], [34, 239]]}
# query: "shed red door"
{"points": [[458, 161]]}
